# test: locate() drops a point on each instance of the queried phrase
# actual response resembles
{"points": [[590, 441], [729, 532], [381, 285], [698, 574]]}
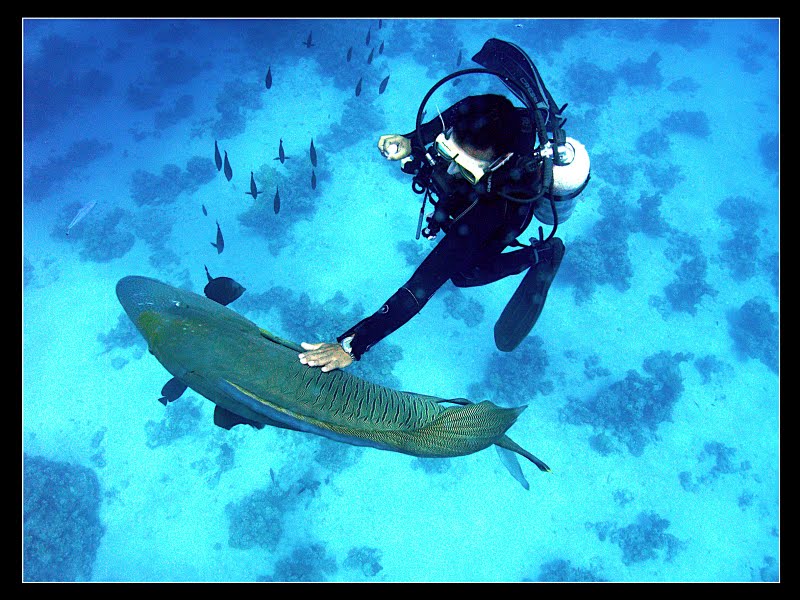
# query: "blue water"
{"points": [[651, 378]]}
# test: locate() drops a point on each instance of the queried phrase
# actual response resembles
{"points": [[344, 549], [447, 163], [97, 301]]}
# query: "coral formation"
{"points": [[754, 330], [561, 570], [257, 520], [307, 562], [631, 410], [513, 378], [364, 559], [43, 179], [61, 521], [181, 418]]}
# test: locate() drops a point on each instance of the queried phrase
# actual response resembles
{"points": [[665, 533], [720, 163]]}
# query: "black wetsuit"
{"points": [[479, 225]]}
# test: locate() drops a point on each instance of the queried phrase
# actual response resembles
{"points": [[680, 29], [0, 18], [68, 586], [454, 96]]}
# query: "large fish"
{"points": [[313, 153], [276, 202], [308, 43], [268, 78], [254, 377], [358, 86]]}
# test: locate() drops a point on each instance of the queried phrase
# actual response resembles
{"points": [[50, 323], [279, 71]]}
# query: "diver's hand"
{"points": [[394, 147], [327, 356]]}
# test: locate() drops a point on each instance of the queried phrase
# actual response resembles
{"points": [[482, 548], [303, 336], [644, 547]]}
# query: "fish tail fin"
{"points": [[460, 430]]}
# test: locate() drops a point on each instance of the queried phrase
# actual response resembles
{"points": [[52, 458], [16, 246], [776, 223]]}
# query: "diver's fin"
{"points": [[279, 340], [517, 68], [526, 304], [509, 444], [226, 419], [510, 462]]}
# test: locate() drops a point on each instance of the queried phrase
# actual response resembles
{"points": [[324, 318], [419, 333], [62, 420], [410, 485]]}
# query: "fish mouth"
{"points": [[139, 294]]}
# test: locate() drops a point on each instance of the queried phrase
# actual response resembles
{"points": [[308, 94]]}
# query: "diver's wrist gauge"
{"points": [[347, 348]]}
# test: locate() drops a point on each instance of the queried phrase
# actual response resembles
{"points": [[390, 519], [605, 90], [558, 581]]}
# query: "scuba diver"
{"points": [[488, 168]]}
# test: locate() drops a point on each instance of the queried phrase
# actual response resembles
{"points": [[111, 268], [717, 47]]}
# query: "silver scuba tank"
{"points": [[569, 179]]}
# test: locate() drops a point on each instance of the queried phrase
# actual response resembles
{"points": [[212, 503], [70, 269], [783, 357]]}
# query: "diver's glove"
{"points": [[394, 146]]}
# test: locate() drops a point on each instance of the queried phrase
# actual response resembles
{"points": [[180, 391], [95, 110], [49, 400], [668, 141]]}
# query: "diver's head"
{"points": [[481, 137], [484, 125]]}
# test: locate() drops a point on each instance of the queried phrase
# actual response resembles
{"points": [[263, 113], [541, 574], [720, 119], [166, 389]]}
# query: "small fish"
{"points": [[222, 290], [371, 56], [253, 189], [220, 245], [313, 153], [81, 213], [380, 23], [380, 48], [172, 390], [313, 180], [308, 43], [276, 203], [228, 170], [205, 212], [382, 87], [369, 34], [281, 154], [272, 476], [217, 157], [458, 60], [358, 87], [349, 54], [268, 79]]}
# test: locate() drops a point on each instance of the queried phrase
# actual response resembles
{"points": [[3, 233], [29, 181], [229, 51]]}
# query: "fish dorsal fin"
{"points": [[279, 340]]}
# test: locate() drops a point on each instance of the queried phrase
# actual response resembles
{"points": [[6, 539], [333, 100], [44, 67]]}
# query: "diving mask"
{"points": [[471, 168]]}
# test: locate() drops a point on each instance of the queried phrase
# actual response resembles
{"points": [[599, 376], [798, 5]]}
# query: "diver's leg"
{"points": [[494, 266]]}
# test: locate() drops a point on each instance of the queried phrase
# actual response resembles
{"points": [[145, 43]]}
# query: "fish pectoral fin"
{"points": [[226, 419], [509, 444], [279, 340], [510, 462]]}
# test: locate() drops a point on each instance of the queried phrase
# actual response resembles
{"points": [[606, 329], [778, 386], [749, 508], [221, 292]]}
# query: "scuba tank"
{"points": [[563, 162], [570, 177]]}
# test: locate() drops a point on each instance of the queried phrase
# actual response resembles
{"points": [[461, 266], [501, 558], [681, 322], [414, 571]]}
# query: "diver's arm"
{"points": [[454, 253]]}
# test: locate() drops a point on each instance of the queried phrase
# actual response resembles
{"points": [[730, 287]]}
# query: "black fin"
{"points": [[172, 390], [226, 419], [526, 304]]}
